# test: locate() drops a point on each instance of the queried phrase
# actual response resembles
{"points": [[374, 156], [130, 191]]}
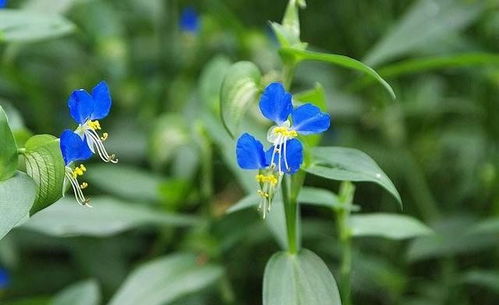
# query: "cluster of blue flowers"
{"points": [[285, 156], [79, 145]]}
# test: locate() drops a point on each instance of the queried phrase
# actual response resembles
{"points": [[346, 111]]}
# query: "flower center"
{"points": [[285, 132], [95, 125]]}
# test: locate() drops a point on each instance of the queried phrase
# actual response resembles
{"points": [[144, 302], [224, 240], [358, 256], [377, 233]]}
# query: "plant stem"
{"points": [[346, 193], [21, 151], [290, 211]]}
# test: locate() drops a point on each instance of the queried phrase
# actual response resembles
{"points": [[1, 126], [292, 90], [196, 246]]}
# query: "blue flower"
{"points": [[4, 279], [189, 20], [3, 3], [285, 156], [86, 109]]}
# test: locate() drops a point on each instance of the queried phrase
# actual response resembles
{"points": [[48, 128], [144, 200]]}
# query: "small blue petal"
{"points": [[102, 101], [81, 105], [275, 103], [3, 3], [73, 147], [189, 20], [4, 278], [309, 119], [294, 157], [250, 153]]}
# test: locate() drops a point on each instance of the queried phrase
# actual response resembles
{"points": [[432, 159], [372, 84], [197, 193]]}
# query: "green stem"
{"points": [[21, 151], [346, 193], [290, 211]]}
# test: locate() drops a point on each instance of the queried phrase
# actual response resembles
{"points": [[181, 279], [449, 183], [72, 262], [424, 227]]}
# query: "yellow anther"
{"points": [[263, 194], [266, 179], [284, 131], [79, 171], [95, 125], [104, 137], [84, 185], [83, 168]]}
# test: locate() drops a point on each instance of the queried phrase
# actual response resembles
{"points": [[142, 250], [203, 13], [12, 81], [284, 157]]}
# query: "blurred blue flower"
{"points": [[86, 109], [189, 20], [4, 278], [3, 3]]}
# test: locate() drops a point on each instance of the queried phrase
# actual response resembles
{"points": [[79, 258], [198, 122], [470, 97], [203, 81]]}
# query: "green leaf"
{"points": [[348, 164], [486, 226], [427, 23], [389, 226], [163, 280], [45, 165], [107, 217], [239, 90], [484, 278], [16, 198], [339, 60], [127, 182], [169, 134], [299, 279], [83, 293], [8, 149], [211, 80], [22, 26]]}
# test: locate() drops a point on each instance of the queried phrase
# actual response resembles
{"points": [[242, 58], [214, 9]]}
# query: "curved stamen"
{"points": [[96, 144], [77, 189]]}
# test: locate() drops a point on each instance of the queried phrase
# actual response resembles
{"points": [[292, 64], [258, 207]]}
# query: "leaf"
{"points": [[127, 182], [298, 279], [484, 278], [22, 26], [426, 23], [169, 134], [389, 226], [163, 280], [239, 90], [82, 293], [348, 164], [211, 80], [16, 198], [45, 165], [107, 217], [8, 149], [339, 60], [486, 226]]}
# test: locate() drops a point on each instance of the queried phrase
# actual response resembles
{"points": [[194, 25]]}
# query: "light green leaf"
{"points": [[50, 6], [239, 90], [484, 278], [348, 164], [127, 182], [299, 279], [169, 134], [16, 198], [45, 165], [389, 226], [211, 80], [486, 226], [427, 22], [162, 281], [339, 60], [8, 149], [107, 217], [83, 293], [22, 26]]}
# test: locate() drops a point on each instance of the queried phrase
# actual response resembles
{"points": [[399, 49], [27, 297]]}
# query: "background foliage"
{"points": [[160, 216]]}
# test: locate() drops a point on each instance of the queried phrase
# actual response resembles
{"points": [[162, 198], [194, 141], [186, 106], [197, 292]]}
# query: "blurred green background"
{"points": [[438, 143]]}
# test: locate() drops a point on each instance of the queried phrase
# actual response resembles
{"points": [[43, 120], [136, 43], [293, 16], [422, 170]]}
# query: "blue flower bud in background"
{"points": [[189, 20], [4, 278], [3, 3]]}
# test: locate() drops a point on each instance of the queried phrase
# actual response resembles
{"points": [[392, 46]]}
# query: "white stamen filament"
{"points": [[96, 144], [80, 198]]}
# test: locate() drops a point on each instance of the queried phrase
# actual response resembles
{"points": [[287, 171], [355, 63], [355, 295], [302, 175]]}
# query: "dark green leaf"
{"points": [[340, 60], [8, 149], [45, 165], [347, 164], [16, 198], [106, 217], [390, 226], [299, 279], [163, 280], [239, 90], [21, 26]]}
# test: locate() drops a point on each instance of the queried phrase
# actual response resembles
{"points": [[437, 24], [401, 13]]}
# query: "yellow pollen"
{"points": [[95, 125], [79, 171], [284, 131], [104, 137], [266, 179], [84, 185]]}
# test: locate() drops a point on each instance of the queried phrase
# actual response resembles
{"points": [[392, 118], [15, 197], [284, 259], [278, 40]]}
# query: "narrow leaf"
{"points": [[83, 293], [8, 148], [389, 226]]}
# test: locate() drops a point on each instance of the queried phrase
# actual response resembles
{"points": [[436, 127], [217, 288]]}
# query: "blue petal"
{"points": [[309, 119], [3, 3], [81, 105], [250, 153], [102, 101], [4, 277], [275, 103], [294, 157], [189, 20], [73, 147]]}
